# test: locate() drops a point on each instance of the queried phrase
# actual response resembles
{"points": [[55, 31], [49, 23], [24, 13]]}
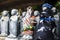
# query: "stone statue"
{"points": [[13, 23], [26, 34], [22, 21], [4, 23]]}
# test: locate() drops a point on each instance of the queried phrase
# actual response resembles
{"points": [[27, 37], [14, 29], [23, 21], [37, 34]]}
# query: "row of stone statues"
{"points": [[29, 24]]}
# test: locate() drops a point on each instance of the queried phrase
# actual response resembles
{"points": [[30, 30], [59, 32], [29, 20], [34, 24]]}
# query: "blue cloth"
{"points": [[47, 5], [47, 19]]}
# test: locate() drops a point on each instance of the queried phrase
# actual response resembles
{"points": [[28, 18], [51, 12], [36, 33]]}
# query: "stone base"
{"points": [[2, 38], [24, 38], [7, 38], [3, 35]]}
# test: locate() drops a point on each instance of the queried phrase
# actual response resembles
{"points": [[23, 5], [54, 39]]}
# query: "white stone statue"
{"points": [[4, 23], [22, 21], [28, 15], [13, 23], [54, 9], [37, 17], [26, 23]]}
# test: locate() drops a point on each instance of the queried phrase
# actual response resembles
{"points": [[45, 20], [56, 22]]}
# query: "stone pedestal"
{"points": [[2, 38], [7, 38]]}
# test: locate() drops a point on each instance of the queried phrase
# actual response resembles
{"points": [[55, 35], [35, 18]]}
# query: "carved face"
{"points": [[53, 9], [14, 12], [5, 13], [36, 13], [23, 14]]}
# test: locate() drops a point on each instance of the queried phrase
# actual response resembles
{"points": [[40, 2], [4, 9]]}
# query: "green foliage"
{"points": [[58, 6], [34, 7]]}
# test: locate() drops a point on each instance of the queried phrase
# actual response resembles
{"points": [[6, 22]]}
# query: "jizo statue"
{"points": [[22, 21], [54, 10], [4, 23], [13, 23], [27, 17], [26, 25], [37, 17]]}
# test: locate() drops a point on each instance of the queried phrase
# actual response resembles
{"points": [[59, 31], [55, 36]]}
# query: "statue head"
{"points": [[23, 14], [46, 7], [36, 13], [5, 13], [14, 12], [53, 9]]}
